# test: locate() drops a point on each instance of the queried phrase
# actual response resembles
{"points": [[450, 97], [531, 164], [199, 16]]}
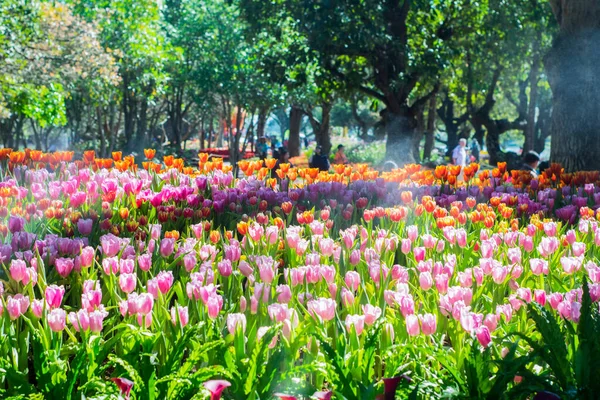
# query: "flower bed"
{"points": [[168, 281]]}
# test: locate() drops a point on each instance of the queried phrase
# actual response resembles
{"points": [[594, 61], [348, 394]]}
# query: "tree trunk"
{"points": [[324, 136], [573, 67], [492, 142], [430, 130], [400, 131], [294, 138], [533, 91], [263, 113], [420, 133]]}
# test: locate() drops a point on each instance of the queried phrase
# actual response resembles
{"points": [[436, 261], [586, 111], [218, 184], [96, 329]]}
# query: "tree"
{"points": [[389, 50], [573, 68]]}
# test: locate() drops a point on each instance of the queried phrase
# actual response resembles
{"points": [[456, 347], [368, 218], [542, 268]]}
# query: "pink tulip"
{"points": [[57, 319], [127, 282], [126, 266], [407, 305], [323, 307], [578, 249], [429, 241], [285, 396], [144, 320], [235, 322], [17, 306], [18, 270], [216, 387], [245, 268], [428, 324], [165, 281], [284, 294], [110, 265], [524, 294], [538, 266], [354, 257], [412, 325], [499, 274], [37, 308], [461, 238], [253, 305], [323, 395], [262, 331], [547, 246], [167, 246], [540, 296], [326, 246], [419, 253], [182, 313], [214, 305], [425, 280], [225, 268], [347, 298], [555, 299], [491, 321], [441, 283], [371, 313], [406, 246], [483, 335], [97, 320], [352, 280], [110, 245], [80, 320], [267, 272], [440, 246], [571, 264], [550, 228], [412, 232], [54, 296], [356, 321]]}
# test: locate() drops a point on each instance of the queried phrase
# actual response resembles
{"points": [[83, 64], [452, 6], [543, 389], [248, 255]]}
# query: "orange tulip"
{"points": [[168, 160], [270, 163], [117, 155], [149, 153]]}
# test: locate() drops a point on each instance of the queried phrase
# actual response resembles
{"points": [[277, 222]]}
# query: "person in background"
{"points": [[531, 162], [262, 148], [459, 155], [318, 160], [340, 156], [475, 149]]}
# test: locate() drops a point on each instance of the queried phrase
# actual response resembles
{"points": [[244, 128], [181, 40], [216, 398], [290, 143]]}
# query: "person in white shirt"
{"points": [[459, 155]]}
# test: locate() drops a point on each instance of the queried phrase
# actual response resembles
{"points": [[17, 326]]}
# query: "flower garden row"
{"points": [[174, 282]]}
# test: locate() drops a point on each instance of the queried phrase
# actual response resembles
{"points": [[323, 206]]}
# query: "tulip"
{"points": [[54, 296], [216, 387], [483, 335], [37, 307], [406, 246], [235, 322], [425, 280], [124, 386], [284, 294], [181, 313], [412, 325], [97, 320], [86, 257], [371, 313], [84, 226], [428, 324], [57, 319], [347, 298], [144, 320], [80, 320], [356, 321], [167, 246], [324, 308], [127, 282], [284, 396], [419, 253], [165, 281], [110, 245], [214, 305], [18, 270], [540, 296], [17, 306], [323, 395]]}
